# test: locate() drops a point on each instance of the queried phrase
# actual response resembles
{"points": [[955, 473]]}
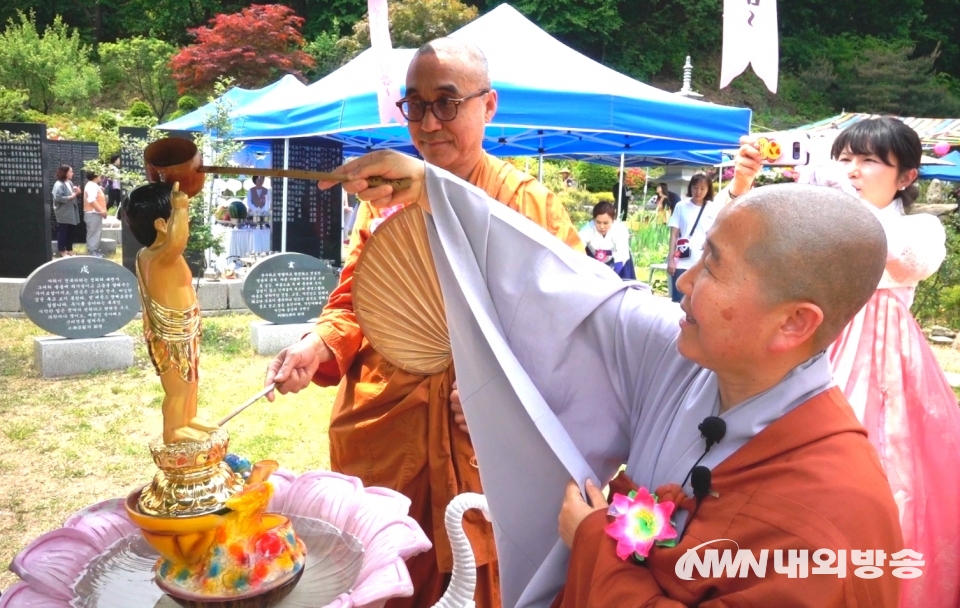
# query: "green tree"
{"points": [[334, 16], [12, 105], [141, 67], [169, 20], [413, 23], [880, 77], [887, 80], [54, 69], [327, 54], [217, 139], [589, 23]]}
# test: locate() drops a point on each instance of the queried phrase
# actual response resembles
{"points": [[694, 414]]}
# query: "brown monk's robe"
{"points": [[811, 480], [395, 429]]}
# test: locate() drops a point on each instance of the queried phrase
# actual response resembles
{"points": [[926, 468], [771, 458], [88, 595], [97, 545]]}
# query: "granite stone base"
{"points": [[110, 233], [235, 294], [56, 357], [10, 294], [108, 246], [269, 339], [212, 295]]}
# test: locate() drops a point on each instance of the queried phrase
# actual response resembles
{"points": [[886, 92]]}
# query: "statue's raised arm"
{"points": [[177, 227]]}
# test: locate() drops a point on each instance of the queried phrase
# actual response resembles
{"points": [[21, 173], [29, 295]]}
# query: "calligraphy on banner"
{"points": [[750, 37]]}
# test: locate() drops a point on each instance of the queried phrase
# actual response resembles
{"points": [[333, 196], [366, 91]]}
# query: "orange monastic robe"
{"points": [[810, 480], [395, 429]]}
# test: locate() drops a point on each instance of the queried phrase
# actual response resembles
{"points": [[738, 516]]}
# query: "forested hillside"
{"points": [[897, 56]]}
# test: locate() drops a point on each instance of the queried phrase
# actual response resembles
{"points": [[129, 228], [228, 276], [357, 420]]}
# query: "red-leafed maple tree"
{"points": [[254, 47]]}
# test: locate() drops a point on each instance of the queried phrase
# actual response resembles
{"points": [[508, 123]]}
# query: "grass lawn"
{"points": [[69, 443]]}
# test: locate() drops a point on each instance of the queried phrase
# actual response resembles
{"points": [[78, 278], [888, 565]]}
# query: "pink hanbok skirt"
{"points": [[890, 376]]}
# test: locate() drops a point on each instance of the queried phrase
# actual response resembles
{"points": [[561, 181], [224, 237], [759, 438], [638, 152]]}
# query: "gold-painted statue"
{"points": [[193, 480], [159, 219], [197, 506]]}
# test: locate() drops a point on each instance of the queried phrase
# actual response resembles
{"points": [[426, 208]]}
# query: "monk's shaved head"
{"points": [[818, 245], [473, 60]]}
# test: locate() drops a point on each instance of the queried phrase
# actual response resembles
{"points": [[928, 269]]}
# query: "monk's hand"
{"points": [[746, 166], [388, 165], [575, 509], [294, 367], [457, 408]]}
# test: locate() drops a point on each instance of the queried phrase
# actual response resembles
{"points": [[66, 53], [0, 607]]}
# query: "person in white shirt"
{"points": [[258, 199], [691, 219], [607, 240], [94, 210]]}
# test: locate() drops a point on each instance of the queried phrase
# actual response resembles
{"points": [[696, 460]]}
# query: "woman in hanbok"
{"points": [[885, 367], [608, 240]]}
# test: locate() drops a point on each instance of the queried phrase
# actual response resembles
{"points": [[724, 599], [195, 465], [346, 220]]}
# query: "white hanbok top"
{"points": [[616, 240]]}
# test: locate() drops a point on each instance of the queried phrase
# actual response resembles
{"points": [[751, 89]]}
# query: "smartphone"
{"points": [[784, 149]]}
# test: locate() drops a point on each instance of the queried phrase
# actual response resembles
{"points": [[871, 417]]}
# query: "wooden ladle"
{"points": [[174, 159]]}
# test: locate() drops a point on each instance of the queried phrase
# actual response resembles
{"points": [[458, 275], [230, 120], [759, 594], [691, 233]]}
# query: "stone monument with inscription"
{"points": [[26, 201], [314, 217], [84, 301], [287, 291]]}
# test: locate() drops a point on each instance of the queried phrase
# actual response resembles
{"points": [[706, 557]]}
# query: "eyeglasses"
{"points": [[445, 108]]}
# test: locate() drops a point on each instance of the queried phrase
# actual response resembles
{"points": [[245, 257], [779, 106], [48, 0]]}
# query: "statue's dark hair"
{"points": [[141, 208]]}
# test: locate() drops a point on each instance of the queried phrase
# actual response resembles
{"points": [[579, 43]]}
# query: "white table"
{"points": [[240, 242]]}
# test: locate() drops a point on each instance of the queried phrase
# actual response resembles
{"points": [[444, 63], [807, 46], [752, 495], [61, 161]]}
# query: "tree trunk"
{"points": [[97, 26]]}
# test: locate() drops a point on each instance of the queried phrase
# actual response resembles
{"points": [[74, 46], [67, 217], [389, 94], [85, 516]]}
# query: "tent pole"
{"points": [[540, 167], [283, 225], [620, 201]]}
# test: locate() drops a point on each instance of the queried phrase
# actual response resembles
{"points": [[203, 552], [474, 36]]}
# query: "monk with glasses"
{"points": [[389, 427]]}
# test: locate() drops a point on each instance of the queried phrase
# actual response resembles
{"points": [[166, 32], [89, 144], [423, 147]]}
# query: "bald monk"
{"points": [[395, 429], [630, 377]]}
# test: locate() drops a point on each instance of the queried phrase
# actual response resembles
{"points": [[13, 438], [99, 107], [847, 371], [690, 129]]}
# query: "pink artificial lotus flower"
{"points": [[51, 565], [640, 522]]}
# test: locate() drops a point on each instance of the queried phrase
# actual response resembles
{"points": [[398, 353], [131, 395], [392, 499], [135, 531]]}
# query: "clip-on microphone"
{"points": [[713, 428]]}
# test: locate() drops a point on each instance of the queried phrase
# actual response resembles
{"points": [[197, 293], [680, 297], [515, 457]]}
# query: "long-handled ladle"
{"points": [[174, 159]]}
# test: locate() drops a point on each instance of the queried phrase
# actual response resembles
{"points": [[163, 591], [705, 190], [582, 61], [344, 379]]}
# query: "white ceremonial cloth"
{"points": [[566, 371], [750, 37]]}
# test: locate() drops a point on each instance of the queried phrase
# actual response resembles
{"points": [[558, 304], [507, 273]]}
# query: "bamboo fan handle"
{"points": [[398, 184]]}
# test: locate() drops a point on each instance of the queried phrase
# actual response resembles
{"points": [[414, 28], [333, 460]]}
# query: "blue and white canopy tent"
{"points": [[566, 104], [240, 100], [944, 172], [553, 101]]}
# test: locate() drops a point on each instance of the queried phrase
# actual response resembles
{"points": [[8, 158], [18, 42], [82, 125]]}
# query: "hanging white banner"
{"points": [[750, 37], [388, 93]]}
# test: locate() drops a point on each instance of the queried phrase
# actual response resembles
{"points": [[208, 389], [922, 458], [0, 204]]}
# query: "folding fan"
{"points": [[397, 298]]}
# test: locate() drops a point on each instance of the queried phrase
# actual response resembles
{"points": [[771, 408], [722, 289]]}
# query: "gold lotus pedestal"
{"points": [[193, 478], [195, 508]]}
